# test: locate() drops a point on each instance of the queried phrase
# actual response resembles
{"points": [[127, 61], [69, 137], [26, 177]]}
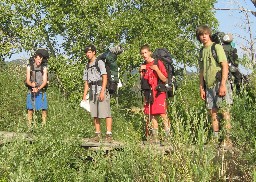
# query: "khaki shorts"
{"points": [[100, 109], [215, 101]]}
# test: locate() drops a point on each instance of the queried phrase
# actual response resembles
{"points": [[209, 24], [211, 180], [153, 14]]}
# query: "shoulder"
{"points": [[218, 47], [100, 61], [160, 63]]}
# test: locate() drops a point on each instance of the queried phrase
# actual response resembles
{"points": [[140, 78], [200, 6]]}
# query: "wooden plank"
{"points": [[6, 136], [101, 145]]}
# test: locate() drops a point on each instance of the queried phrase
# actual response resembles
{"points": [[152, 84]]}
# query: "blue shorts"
{"points": [[37, 101]]}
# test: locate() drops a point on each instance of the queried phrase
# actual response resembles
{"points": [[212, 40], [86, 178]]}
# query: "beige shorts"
{"points": [[100, 109]]}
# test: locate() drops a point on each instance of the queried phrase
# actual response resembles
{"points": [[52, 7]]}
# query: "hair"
{"points": [[201, 30], [90, 47], [39, 55], [145, 46]]}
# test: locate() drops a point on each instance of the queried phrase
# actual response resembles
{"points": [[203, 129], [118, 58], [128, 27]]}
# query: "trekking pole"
{"points": [[149, 115]]}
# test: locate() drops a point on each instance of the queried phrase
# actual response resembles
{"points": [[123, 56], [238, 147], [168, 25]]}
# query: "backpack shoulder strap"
{"points": [[156, 62], [214, 52]]}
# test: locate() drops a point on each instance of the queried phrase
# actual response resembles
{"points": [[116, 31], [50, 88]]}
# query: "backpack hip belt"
{"points": [[98, 83]]}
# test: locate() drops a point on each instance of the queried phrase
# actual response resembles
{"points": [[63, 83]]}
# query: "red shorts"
{"points": [[158, 106]]}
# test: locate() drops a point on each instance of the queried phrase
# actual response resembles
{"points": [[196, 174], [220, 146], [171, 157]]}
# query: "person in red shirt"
{"points": [[154, 100]]}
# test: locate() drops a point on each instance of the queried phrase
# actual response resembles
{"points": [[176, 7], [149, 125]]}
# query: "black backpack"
{"points": [[110, 60], [45, 54], [170, 86]]}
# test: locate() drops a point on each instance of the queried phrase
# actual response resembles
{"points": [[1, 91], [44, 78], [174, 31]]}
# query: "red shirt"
{"points": [[159, 105]]}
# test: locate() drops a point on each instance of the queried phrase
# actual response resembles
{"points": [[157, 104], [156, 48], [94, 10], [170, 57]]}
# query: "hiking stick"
{"points": [[149, 115]]}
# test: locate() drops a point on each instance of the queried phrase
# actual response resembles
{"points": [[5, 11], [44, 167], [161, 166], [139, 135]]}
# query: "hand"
{"points": [[35, 89], [101, 96], [202, 93], [222, 90], [154, 67], [33, 84], [142, 67]]}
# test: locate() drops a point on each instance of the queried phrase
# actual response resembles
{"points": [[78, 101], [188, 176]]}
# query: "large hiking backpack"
{"points": [[164, 55], [110, 60], [33, 70], [231, 53]]}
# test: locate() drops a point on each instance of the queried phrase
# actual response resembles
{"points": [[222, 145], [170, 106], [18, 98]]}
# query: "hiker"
{"points": [[215, 87], [154, 100], [99, 97], [36, 80]]}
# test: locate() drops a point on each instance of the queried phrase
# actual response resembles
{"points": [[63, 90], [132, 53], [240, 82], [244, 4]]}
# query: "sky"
{"points": [[234, 21], [231, 21]]}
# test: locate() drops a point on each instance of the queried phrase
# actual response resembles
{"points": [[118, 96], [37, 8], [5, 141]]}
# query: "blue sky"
{"points": [[232, 21]]}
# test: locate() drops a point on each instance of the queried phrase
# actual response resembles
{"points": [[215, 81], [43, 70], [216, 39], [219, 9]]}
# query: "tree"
{"points": [[161, 23]]}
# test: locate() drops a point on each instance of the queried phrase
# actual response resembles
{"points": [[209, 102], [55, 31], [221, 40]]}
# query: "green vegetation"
{"points": [[56, 154]]}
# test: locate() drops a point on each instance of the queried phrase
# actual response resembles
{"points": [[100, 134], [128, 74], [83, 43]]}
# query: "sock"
{"points": [[216, 133], [109, 133]]}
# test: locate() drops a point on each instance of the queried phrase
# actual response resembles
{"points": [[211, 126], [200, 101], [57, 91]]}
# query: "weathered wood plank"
{"points": [[102, 145], [6, 136]]}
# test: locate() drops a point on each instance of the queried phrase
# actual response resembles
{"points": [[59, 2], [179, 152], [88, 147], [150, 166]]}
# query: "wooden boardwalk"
{"points": [[6, 137], [106, 146]]}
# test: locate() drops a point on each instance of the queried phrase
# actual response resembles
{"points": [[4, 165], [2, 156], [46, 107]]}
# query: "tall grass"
{"points": [[56, 155]]}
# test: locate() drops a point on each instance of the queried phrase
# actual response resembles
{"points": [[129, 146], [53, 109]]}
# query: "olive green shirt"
{"points": [[209, 65]]}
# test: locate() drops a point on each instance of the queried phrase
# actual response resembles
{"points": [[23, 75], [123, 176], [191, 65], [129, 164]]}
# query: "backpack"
{"points": [[162, 54], [231, 53], [33, 70], [110, 60]]}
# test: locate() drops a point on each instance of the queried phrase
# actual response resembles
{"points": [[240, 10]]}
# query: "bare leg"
{"points": [[109, 124], [44, 116], [215, 121], [30, 117], [97, 125], [154, 122], [226, 117], [166, 121]]}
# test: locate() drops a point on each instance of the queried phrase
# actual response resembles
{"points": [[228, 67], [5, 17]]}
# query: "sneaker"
{"points": [[109, 138], [117, 49], [96, 138]]}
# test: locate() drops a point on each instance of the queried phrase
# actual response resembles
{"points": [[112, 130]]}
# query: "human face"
{"points": [[146, 55], [205, 38], [38, 60], [90, 54]]}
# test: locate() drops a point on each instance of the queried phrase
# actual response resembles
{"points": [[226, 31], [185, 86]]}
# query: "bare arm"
{"points": [[104, 83], [29, 83], [224, 74], [159, 73], [44, 79], [201, 79], [202, 89]]}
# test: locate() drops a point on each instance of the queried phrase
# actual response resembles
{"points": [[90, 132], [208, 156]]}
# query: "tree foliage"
{"points": [[71, 25]]}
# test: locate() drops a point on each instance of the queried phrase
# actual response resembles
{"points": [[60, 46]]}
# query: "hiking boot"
{"points": [[117, 49], [96, 138], [109, 138]]}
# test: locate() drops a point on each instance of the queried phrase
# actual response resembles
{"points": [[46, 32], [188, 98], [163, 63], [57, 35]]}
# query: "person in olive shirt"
{"points": [[215, 88]]}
